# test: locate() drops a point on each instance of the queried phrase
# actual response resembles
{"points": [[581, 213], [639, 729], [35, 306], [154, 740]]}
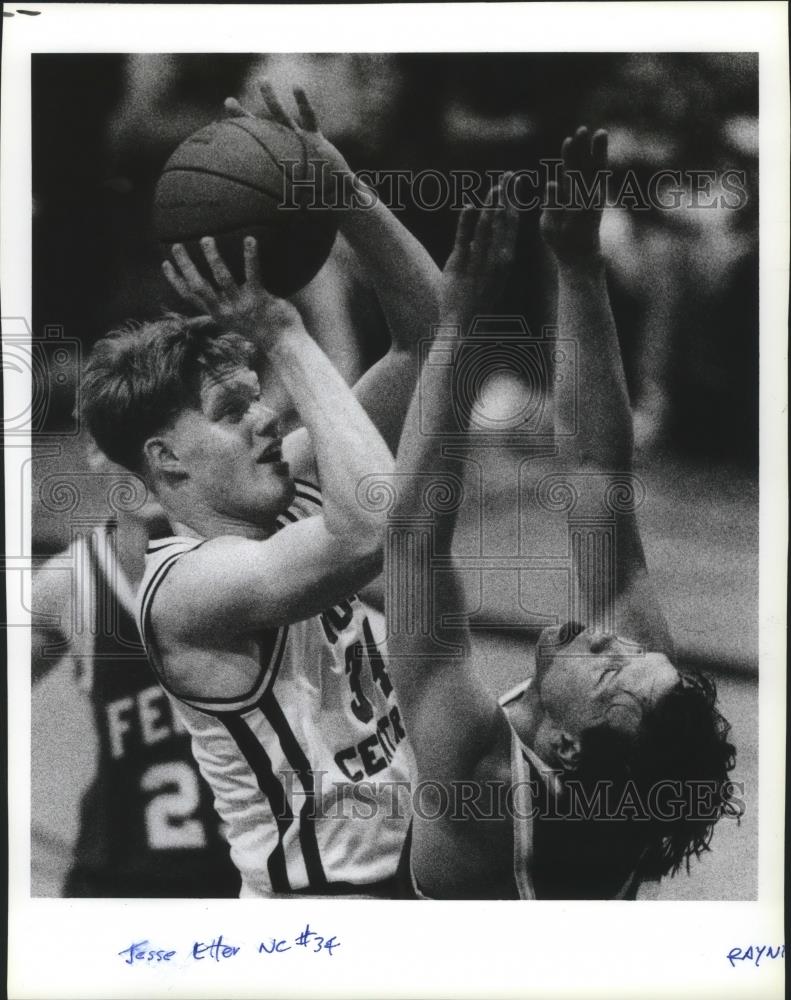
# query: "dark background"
{"points": [[684, 284]]}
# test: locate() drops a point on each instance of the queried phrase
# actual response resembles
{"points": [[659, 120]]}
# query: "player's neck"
{"points": [[132, 540], [522, 716], [210, 525]]}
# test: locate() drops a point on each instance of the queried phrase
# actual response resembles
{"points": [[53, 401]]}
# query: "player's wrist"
{"points": [[581, 262], [284, 344], [453, 318], [271, 332], [358, 201]]}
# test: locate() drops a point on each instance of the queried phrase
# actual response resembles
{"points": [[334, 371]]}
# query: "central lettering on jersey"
{"points": [[389, 733], [144, 719], [335, 620], [374, 753]]}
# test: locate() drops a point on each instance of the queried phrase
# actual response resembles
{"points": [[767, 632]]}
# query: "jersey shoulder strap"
{"points": [[306, 503], [161, 556], [527, 769], [523, 819], [515, 692]]}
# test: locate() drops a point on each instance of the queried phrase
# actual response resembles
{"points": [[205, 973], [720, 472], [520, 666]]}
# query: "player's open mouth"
{"points": [[272, 454]]}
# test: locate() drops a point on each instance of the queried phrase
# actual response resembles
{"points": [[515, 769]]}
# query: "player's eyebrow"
{"points": [[221, 394]]}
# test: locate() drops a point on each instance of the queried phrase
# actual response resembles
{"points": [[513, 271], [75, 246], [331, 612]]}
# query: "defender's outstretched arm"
{"points": [[603, 439], [452, 718]]}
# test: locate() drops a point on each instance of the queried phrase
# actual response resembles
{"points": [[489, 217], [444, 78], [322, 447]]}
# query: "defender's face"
{"points": [[230, 449], [595, 679]]}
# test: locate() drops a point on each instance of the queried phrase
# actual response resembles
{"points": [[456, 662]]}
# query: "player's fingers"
{"points": [[507, 222], [479, 260], [178, 284], [599, 149], [500, 201], [465, 231], [252, 270], [580, 151], [217, 265], [550, 215], [558, 193], [506, 248], [468, 220], [275, 108], [191, 275], [307, 116], [233, 109], [515, 188], [483, 231], [512, 225], [500, 250], [566, 153]]}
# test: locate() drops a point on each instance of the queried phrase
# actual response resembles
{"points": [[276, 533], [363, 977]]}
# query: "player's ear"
{"points": [[567, 748], [162, 459]]}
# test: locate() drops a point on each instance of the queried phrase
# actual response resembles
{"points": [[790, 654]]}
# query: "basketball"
{"points": [[236, 178]]}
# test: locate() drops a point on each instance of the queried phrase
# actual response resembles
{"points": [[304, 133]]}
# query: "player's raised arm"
{"points": [[254, 581], [401, 271], [603, 439], [448, 742]]}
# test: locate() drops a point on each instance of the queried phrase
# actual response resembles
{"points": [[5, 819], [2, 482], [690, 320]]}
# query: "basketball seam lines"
{"points": [[258, 142], [225, 177]]}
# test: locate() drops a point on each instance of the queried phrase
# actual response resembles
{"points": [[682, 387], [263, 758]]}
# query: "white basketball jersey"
{"points": [[310, 768]]}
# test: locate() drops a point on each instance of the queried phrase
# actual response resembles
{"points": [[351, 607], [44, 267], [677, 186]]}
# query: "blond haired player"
{"points": [[249, 611]]}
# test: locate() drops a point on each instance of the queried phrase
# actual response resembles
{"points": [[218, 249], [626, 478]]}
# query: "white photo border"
{"points": [[69, 948]]}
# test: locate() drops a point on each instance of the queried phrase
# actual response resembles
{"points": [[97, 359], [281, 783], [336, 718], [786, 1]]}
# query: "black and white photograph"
{"points": [[384, 498]]}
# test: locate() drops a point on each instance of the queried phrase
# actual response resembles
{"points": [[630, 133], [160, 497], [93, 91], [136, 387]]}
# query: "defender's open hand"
{"points": [[477, 269], [248, 309], [572, 232]]}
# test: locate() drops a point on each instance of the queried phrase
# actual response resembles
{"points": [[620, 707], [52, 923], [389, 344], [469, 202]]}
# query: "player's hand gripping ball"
{"points": [[243, 176]]}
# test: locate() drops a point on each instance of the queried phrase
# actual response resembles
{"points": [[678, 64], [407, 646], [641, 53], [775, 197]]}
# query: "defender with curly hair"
{"points": [[609, 765]]}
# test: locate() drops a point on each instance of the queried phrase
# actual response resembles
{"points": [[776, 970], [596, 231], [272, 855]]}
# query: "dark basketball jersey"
{"points": [[148, 826]]}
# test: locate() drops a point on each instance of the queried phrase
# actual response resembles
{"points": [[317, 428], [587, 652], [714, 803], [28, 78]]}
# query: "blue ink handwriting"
{"points": [[754, 955], [216, 950], [137, 952], [141, 952], [275, 946], [305, 939]]}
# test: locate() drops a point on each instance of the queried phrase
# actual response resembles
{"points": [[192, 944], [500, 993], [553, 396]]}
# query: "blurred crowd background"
{"points": [[684, 283], [684, 286]]}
